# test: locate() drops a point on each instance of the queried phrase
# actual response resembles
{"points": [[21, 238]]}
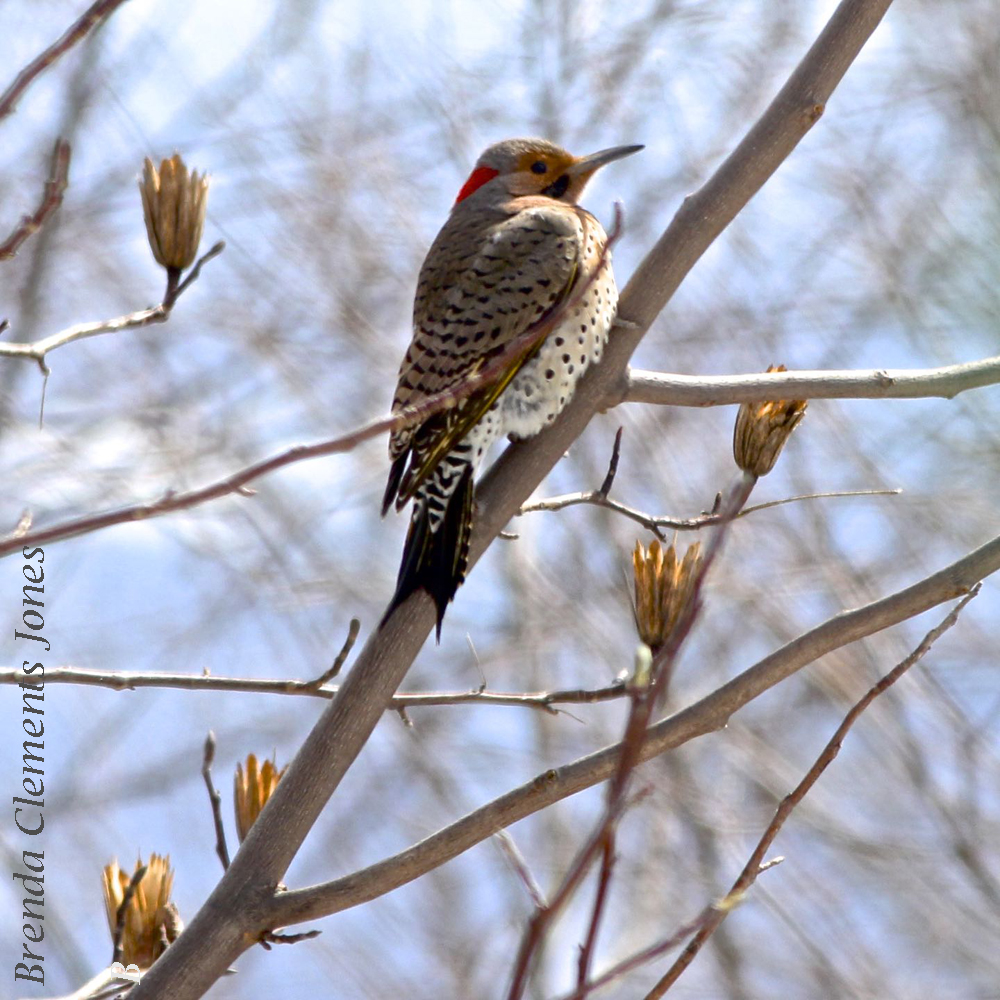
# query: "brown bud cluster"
{"points": [[151, 919], [173, 205], [252, 789], [664, 586], [762, 430]]}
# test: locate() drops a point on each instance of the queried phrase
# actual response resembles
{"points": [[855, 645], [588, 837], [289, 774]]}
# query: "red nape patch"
{"points": [[476, 180]]}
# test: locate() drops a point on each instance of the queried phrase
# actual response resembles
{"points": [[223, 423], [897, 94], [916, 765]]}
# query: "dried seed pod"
{"points": [[664, 586], [151, 919], [252, 789], [762, 430], [173, 205]]}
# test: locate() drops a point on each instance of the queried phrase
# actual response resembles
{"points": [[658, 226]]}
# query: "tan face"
{"points": [[546, 172], [524, 167]]}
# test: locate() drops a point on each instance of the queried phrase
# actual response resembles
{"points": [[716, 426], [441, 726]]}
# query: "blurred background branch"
{"points": [[93, 16], [52, 197]]}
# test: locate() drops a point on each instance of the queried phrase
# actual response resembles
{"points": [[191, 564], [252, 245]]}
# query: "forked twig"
{"points": [[124, 680], [656, 523]]}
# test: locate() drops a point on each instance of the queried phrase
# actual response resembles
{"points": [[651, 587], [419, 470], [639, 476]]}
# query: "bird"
{"points": [[516, 252]]}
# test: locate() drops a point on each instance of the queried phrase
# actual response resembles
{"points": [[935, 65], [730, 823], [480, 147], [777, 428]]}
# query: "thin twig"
{"points": [[515, 859], [609, 479], [324, 678], [753, 508], [92, 16], [635, 961], [753, 866], [129, 681], [273, 937], [654, 951], [267, 938], [130, 889], [108, 984], [37, 350], [656, 523], [174, 293], [600, 898], [221, 847], [52, 196]]}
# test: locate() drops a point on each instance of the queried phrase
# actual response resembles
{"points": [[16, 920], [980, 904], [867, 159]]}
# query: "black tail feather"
{"points": [[436, 561], [392, 487]]}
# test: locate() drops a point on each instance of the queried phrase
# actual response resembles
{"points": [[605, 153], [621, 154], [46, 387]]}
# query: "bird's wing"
{"points": [[481, 287]]}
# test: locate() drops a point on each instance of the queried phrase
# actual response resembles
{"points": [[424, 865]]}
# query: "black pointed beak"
{"points": [[586, 165]]}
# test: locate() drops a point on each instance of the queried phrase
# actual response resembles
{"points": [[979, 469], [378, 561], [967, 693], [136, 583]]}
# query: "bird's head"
{"points": [[521, 167]]}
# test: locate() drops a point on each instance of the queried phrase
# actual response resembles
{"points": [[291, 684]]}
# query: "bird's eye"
{"points": [[539, 167]]}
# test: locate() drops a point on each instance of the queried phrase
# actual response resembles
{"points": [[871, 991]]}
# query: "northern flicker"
{"points": [[515, 247]]}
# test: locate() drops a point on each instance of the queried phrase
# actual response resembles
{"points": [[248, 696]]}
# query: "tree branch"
{"points": [[111, 983], [237, 482], [94, 14], [52, 196], [707, 715], [244, 899], [666, 389], [214, 800], [656, 522], [126, 680]]}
